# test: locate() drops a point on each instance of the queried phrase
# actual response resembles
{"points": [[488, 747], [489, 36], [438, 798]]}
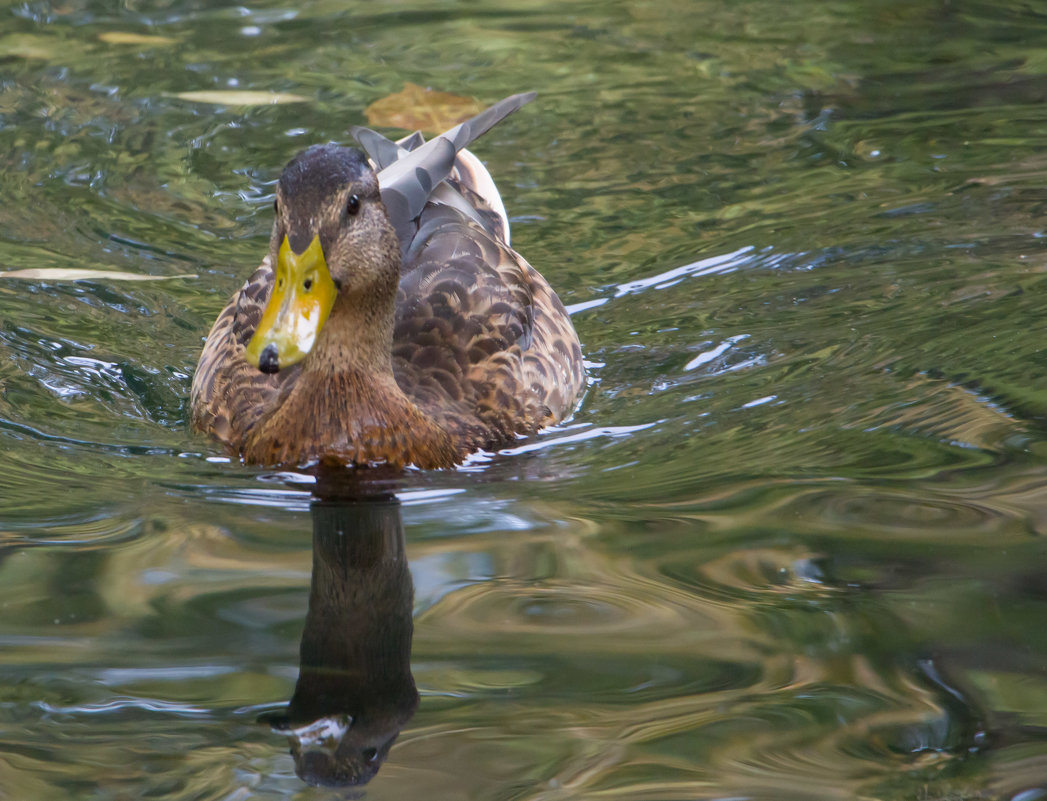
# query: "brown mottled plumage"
{"points": [[441, 339]]}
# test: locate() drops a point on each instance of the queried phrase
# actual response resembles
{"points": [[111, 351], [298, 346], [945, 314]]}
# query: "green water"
{"points": [[791, 546]]}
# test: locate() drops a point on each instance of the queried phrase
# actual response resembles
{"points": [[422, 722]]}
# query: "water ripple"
{"points": [[120, 704]]}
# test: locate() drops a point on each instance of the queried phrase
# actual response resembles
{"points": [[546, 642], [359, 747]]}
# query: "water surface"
{"points": [[789, 547]]}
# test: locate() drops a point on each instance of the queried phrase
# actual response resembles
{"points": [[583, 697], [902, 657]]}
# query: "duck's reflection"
{"points": [[355, 691]]}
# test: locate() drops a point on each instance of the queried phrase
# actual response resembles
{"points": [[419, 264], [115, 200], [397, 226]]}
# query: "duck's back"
{"points": [[482, 343]]}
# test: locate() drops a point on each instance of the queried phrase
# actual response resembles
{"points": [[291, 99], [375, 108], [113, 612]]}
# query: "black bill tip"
{"points": [[269, 359]]}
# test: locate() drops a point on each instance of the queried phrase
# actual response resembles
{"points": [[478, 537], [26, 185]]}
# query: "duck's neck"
{"points": [[357, 338], [345, 406]]}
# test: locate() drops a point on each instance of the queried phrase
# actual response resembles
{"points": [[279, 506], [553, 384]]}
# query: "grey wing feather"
{"points": [[380, 150], [474, 128], [408, 181], [412, 142], [450, 196]]}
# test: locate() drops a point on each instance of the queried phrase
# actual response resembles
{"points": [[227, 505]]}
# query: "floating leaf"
{"points": [[63, 274], [235, 97], [24, 45], [127, 38], [416, 107]]}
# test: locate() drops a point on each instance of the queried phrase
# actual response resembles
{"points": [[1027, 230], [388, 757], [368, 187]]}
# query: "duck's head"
{"points": [[331, 239]]}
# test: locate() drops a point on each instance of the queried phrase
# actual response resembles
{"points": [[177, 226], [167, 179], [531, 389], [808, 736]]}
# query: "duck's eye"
{"points": [[353, 204], [370, 754], [276, 207]]}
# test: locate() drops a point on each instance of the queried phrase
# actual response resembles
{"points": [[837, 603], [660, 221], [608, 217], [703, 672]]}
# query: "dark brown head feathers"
{"points": [[316, 178]]}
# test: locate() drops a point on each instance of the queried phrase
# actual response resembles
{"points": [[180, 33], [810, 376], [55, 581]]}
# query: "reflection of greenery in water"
{"points": [[800, 562]]}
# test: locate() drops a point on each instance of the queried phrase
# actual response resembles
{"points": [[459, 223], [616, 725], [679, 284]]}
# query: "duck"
{"points": [[390, 323]]}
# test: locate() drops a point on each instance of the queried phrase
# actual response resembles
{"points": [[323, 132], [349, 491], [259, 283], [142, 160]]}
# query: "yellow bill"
{"points": [[303, 294]]}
